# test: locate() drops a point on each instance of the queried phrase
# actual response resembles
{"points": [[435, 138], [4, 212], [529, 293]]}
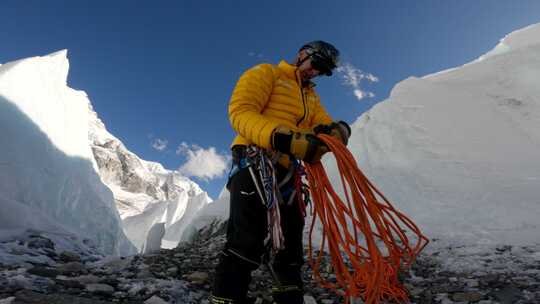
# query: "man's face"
{"points": [[306, 71]]}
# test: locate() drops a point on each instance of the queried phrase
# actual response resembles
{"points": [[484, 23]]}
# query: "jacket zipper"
{"points": [[303, 101]]}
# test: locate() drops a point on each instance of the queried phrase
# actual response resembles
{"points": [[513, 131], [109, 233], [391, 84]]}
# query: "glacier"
{"points": [[458, 150], [63, 171], [48, 175], [146, 194], [455, 150]]}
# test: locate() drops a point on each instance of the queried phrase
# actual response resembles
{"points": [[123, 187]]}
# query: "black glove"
{"points": [[340, 130], [302, 145]]}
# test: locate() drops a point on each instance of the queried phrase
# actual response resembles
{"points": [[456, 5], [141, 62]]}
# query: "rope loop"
{"points": [[368, 240]]}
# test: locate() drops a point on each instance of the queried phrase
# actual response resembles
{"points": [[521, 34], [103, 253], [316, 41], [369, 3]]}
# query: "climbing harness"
{"points": [[260, 164]]}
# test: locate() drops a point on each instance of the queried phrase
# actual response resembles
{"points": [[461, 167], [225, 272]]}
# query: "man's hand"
{"points": [[340, 130], [302, 145]]}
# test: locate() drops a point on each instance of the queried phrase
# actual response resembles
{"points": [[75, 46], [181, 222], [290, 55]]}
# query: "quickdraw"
{"points": [[262, 172], [261, 165], [301, 188]]}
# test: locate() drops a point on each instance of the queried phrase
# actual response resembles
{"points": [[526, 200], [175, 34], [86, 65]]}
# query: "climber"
{"points": [[276, 114]]}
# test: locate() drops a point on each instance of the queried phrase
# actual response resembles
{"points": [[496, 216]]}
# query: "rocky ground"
{"points": [[43, 274]]}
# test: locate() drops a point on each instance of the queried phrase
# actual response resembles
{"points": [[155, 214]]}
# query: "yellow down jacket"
{"points": [[267, 96]]}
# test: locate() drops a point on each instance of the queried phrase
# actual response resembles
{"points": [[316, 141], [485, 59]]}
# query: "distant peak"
{"points": [[61, 53], [520, 38], [526, 36], [54, 67]]}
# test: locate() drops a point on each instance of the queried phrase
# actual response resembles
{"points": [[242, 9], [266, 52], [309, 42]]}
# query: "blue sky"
{"points": [[164, 70]]}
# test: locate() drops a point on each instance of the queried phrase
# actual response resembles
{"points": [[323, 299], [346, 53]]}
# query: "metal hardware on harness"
{"points": [[266, 185], [261, 166]]}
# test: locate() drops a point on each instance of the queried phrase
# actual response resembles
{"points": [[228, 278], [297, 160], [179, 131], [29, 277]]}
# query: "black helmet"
{"points": [[324, 56]]}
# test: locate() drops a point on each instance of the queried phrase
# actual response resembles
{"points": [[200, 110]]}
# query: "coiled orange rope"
{"points": [[368, 270]]}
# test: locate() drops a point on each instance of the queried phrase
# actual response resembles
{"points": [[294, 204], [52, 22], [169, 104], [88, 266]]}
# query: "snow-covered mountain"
{"points": [[145, 192], [62, 170], [457, 151], [48, 175]]}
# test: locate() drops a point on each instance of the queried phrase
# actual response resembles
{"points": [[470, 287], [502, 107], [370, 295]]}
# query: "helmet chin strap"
{"points": [[299, 63]]}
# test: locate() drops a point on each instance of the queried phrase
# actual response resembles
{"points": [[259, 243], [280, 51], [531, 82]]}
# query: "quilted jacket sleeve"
{"points": [[248, 100]]}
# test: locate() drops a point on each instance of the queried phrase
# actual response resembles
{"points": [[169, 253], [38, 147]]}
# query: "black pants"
{"points": [[244, 249]]}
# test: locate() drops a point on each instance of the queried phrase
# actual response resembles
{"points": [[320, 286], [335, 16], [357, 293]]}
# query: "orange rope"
{"points": [[369, 271]]}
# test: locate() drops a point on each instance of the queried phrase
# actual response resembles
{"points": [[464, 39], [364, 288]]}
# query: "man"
{"points": [[277, 114]]}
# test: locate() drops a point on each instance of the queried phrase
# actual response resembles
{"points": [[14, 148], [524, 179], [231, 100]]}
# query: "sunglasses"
{"points": [[321, 63]]}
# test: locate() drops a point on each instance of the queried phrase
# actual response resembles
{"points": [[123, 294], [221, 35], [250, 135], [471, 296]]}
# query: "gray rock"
{"points": [[110, 281], [50, 253], [87, 279], [31, 297], [19, 281], [118, 264], [69, 283], [258, 301], [145, 274], [100, 288], [427, 297], [507, 295], [119, 294], [72, 268], [38, 242], [155, 300], [68, 256], [466, 297], [309, 300], [197, 277], [491, 280], [7, 300], [521, 282], [518, 283], [173, 271], [43, 271], [472, 283]]}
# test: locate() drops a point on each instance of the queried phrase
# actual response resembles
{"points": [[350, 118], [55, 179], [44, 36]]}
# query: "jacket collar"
{"points": [[291, 72]]}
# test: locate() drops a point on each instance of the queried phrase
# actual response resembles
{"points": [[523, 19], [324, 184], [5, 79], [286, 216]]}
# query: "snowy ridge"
{"points": [[145, 192], [209, 219], [519, 39], [48, 177], [457, 151]]}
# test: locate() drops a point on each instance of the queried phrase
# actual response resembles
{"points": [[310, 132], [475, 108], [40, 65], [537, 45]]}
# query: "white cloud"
{"points": [[203, 163], [353, 76], [361, 94], [160, 144]]}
